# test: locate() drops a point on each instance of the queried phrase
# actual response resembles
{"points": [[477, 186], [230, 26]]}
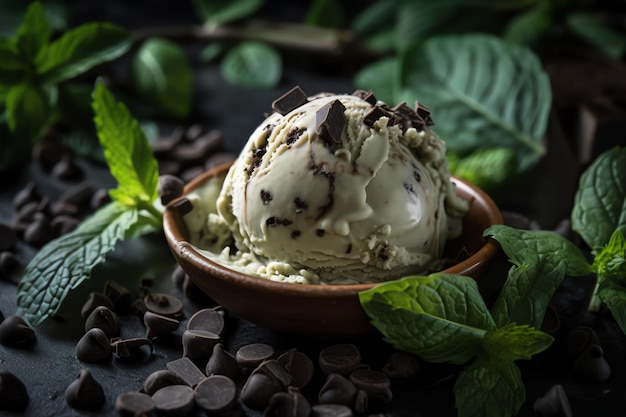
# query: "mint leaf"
{"points": [[613, 294], [599, 34], [80, 49], [441, 318], [126, 151], [34, 32], [600, 202], [161, 75], [487, 167], [66, 262], [498, 92], [252, 64], [489, 390], [611, 261], [28, 112], [218, 12], [512, 342], [12, 65]]}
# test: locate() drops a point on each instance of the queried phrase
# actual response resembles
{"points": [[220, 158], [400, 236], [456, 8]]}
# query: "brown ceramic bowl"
{"points": [[323, 311]]}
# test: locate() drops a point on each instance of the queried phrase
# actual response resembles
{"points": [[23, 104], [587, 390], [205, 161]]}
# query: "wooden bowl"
{"points": [[321, 311]]}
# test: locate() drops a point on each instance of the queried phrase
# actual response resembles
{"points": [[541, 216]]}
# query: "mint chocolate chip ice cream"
{"points": [[334, 189]]}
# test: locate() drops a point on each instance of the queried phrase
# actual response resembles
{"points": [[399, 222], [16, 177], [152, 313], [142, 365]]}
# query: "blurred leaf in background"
{"points": [[215, 13], [252, 64]]}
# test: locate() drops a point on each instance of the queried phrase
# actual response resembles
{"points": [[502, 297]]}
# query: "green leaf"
{"points": [[28, 112], [216, 13], [375, 17], [613, 294], [12, 66], [161, 74], [64, 263], [252, 64], [487, 167], [80, 49], [441, 318], [488, 92], [541, 259], [34, 32], [592, 29], [600, 202], [126, 151], [325, 13], [418, 19], [489, 390], [611, 261], [211, 52], [527, 27], [512, 342], [381, 77]]}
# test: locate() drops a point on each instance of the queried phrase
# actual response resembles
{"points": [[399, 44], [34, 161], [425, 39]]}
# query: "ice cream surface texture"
{"points": [[336, 189]]}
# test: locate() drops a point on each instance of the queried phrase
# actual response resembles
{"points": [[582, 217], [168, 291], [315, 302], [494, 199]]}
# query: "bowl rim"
{"points": [[175, 229]]}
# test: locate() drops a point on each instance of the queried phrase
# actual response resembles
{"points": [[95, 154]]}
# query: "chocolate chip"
{"points": [[209, 142], [361, 402], [579, 339], [591, 365], [28, 194], [366, 95], [331, 410], [300, 204], [118, 294], [79, 195], [190, 173], [376, 384], [11, 269], [216, 394], [320, 232], [193, 132], [93, 347], [339, 358], [198, 343], [158, 325], [103, 318], [94, 300], [251, 355], [99, 198], [223, 363], [14, 331], [174, 400], [160, 379], [258, 390], [134, 404], [63, 224], [208, 320], [266, 197], [125, 348], [276, 371], [218, 158], [373, 115], [67, 169], [47, 152], [337, 390], [289, 101], [331, 122], [187, 370], [8, 237], [169, 188], [13, 393], [85, 393], [299, 365], [164, 304], [288, 404], [554, 403], [401, 365], [39, 232]]}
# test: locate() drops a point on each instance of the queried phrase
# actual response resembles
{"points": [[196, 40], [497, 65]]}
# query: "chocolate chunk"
{"points": [[14, 331], [331, 410], [164, 304], [208, 320], [125, 348], [366, 95], [337, 390], [401, 365], [169, 188], [11, 269], [373, 115], [160, 379], [94, 300], [299, 366], [174, 400], [591, 365], [424, 113], [295, 234], [182, 206], [158, 325], [266, 197], [250, 356], [331, 122], [133, 404], [85, 393], [198, 343], [376, 384], [554, 403], [339, 358], [187, 370], [216, 394], [8, 237], [223, 363], [320, 232], [118, 294], [291, 403], [276, 371], [93, 347], [13, 393], [258, 390], [104, 318], [289, 101]]}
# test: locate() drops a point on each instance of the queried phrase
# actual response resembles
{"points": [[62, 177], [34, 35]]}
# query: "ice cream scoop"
{"points": [[339, 189]]}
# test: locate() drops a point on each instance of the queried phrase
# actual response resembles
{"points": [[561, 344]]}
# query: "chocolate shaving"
{"points": [[275, 221], [294, 135], [289, 101], [331, 122], [366, 95], [373, 115], [266, 197], [424, 113]]}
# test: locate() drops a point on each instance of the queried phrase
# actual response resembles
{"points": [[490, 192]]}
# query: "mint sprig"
{"points": [[443, 318], [66, 262]]}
